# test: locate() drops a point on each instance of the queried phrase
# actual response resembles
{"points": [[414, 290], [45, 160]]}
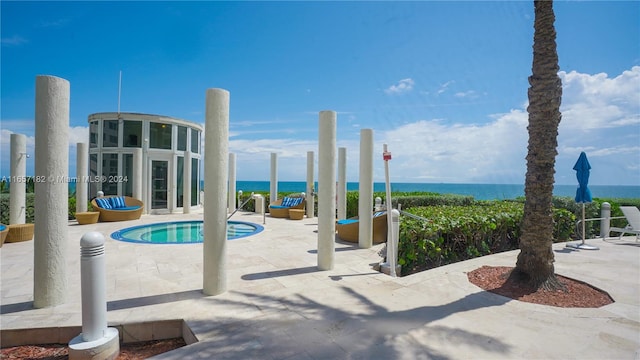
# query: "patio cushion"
{"points": [[287, 201], [104, 203], [126, 208], [117, 202], [278, 207], [346, 221]]}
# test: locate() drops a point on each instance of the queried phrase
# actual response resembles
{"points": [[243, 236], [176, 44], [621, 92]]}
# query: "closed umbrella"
{"points": [[583, 194]]}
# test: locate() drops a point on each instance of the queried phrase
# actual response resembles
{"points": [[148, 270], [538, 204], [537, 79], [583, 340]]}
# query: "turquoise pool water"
{"points": [[181, 232]]}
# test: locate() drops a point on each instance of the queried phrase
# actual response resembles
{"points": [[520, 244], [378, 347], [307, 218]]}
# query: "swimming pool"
{"points": [[181, 232]]}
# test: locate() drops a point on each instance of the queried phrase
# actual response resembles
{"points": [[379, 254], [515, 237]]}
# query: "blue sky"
{"points": [[444, 84]]}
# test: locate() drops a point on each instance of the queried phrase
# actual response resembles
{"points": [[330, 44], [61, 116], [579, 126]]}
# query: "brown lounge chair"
{"points": [[349, 229], [4, 230], [278, 210], [131, 210]]}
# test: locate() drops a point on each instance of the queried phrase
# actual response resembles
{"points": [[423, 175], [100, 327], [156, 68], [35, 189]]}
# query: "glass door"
{"points": [[159, 184]]}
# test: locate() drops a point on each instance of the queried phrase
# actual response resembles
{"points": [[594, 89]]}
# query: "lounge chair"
{"points": [[633, 218], [349, 229], [118, 208], [280, 208], [4, 230]]}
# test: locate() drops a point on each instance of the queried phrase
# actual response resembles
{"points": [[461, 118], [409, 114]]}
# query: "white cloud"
{"points": [[14, 40], [444, 87], [403, 86]]}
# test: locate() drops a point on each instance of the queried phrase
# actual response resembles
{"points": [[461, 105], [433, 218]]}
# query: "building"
{"points": [[165, 143]]}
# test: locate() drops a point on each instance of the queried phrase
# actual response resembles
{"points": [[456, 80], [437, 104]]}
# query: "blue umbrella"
{"points": [[582, 167], [583, 194]]}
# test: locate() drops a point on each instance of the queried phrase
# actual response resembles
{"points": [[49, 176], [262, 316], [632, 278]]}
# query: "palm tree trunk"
{"points": [[535, 261]]}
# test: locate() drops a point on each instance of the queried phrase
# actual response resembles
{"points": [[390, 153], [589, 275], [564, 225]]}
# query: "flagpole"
{"points": [[119, 90]]}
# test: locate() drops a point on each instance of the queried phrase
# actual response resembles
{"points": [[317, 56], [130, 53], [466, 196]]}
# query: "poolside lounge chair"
{"points": [[4, 230], [349, 229], [280, 208], [118, 208], [633, 218]]}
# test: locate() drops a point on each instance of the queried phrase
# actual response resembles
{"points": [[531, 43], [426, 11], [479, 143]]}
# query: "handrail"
{"points": [[241, 206], [416, 217]]}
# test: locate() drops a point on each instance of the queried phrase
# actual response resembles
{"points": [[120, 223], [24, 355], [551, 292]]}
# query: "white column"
{"points": [[136, 173], [232, 183], [326, 189], [18, 192], [216, 156], [82, 171], [186, 185], [342, 183], [365, 188], [310, 191], [273, 189], [51, 198]]}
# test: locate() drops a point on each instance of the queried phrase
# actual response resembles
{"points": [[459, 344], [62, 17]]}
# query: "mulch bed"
{"points": [[129, 351]]}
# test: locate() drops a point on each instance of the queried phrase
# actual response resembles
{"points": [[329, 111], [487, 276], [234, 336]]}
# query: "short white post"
{"points": [[310, 186], [82, 171], [392, 243], [18, 185], [216, 155], [273, 185], [342, 183], [326, 189], [365, 190], [232, 183], [52, 193], [186, 188], [96, 341], [378, 204], [605, 222]]}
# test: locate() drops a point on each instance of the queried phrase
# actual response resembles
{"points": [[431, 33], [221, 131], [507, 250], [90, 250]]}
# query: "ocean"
{"points": [[478, 191]]}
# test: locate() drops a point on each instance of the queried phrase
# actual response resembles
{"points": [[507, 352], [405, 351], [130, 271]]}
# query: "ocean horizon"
{"points": [[478, 191]]}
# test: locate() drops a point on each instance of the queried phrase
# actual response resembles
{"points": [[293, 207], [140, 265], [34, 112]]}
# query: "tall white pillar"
{"points": [[365, 196], [342, 183], [82, 171], [186, 185], [136, 189], [51, 198], [232, 183], [273, 188], [326, 189], [18, 187], [216, 156], [310, 190]]}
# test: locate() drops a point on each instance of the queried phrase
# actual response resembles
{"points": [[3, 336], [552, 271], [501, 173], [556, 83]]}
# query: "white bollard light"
{"points": [[605, 222], [96, 340]]}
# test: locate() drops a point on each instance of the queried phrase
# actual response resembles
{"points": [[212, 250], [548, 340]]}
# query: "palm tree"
{"points": [[535, 261]]}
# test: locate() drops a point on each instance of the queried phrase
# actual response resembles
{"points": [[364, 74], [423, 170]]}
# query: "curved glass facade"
{"points": [[165, 142]]}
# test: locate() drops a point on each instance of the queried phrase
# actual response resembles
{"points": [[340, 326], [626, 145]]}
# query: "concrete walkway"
{"points": [[279, 306]]}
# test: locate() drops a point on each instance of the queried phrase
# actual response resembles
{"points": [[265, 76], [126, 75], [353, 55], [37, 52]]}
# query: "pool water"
{"points": [[181, 232]]}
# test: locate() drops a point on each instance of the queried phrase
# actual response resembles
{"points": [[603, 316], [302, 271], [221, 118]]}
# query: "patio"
{"points": [[279, 306]]}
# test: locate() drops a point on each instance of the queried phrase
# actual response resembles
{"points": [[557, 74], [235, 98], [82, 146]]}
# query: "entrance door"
{"points": [[159, 184]]}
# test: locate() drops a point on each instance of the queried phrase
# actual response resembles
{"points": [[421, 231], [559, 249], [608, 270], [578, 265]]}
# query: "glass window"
{"points": [[127, 173], [110, 133], [194, 182], [182, 138], [132, 133], [195, 141], [93, 175], [110, 174], [93, 134], [180, 185], [160, 135]]}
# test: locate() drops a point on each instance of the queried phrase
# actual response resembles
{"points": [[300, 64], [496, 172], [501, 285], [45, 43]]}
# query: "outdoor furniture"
{"points": [[117, 208], [633, 218], [89, 217], [4, 230], [348, 229], [280, 208], [19, 232], [296, 214]]}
